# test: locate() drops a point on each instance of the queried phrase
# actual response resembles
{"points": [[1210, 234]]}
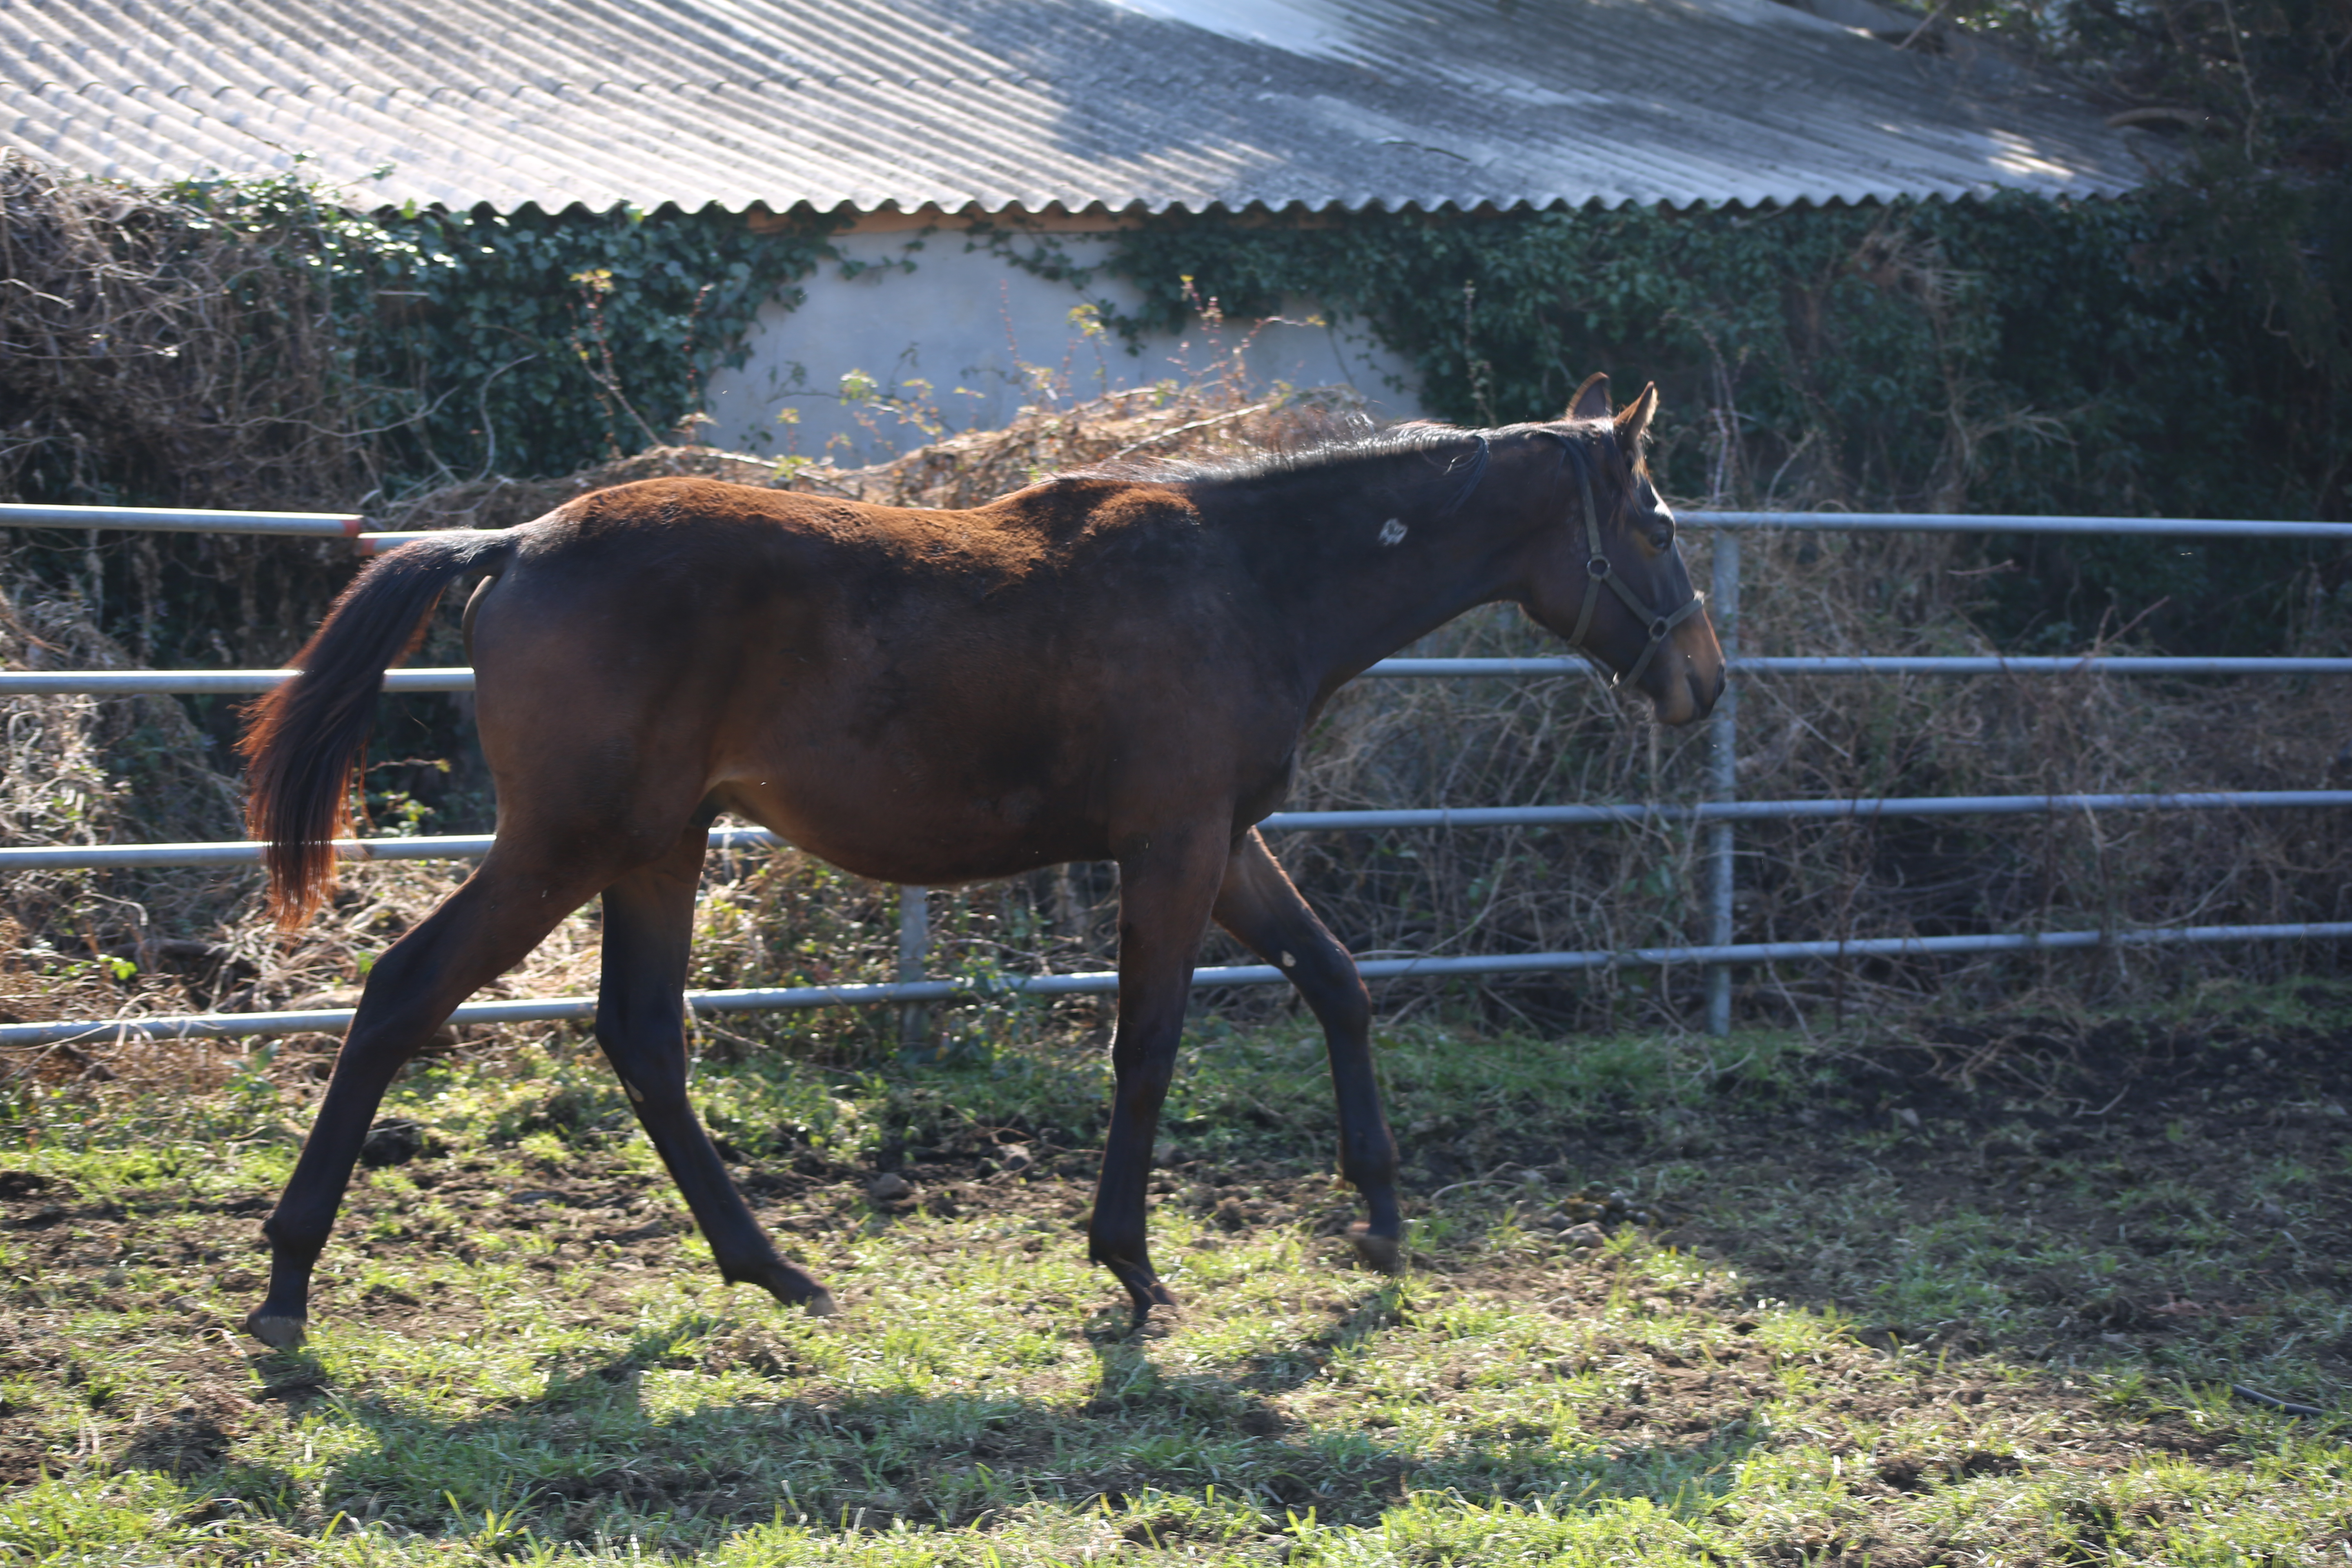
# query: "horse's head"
{"points": [[1607, 575]]}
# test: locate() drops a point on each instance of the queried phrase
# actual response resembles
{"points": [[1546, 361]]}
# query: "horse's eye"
{"points": [[1658, 527]]}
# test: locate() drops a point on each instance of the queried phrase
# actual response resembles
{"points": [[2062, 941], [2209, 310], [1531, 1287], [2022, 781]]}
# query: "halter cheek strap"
{"points": [[1597, 571]]}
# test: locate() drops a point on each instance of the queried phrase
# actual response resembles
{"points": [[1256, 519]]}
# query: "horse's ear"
{"points": [[1591, 399], [1634, 423]]}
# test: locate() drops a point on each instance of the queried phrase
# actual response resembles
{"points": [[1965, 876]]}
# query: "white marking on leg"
{"points": [[1392, 533]]}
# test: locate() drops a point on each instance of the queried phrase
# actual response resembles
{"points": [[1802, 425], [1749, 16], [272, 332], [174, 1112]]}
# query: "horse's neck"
{"points": [[1375, 585], [1372, 629]]}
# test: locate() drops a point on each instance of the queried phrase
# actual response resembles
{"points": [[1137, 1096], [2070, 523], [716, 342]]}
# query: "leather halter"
{"points": [[1598, 570]]}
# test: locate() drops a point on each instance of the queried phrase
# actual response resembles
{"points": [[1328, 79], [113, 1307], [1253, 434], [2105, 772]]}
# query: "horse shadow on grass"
{"points": [[620, 1448]]}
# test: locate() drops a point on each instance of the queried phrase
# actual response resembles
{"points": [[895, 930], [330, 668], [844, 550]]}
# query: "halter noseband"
{"points": [[1597, 571]]}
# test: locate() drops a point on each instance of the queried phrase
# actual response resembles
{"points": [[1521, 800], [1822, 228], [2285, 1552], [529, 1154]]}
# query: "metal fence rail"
{"points": [[200, 682], [339, 525], [182, 519], [558, 1009], [1897, 522], [1995, 523], [471, 846], [1884, 664], [249, 682], [2031, 664], [1719, 813]]}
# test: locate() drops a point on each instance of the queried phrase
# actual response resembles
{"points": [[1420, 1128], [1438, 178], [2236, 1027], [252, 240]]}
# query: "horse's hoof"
{"points": [[1144, 1295], [276, 1331], [1161, 1297], [790, 1285], [1384, 1254]]}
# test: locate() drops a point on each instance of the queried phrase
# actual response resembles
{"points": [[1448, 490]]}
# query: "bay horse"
{"points": [[1113, 664]]}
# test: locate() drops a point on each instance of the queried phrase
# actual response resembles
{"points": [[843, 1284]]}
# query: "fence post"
{"points": [[914, 949], [1724, 607]]}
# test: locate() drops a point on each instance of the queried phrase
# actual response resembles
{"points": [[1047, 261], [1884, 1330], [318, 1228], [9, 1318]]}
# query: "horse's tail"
{"points": [[302, 741]]}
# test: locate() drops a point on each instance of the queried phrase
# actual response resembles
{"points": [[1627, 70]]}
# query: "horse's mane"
{"points": [[1319, 443], [1299, 448], [1313, 444], [1302, 447]]}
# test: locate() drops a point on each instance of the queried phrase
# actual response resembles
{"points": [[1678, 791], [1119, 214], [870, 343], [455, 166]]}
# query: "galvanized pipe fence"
{"points": [[912, 992]]}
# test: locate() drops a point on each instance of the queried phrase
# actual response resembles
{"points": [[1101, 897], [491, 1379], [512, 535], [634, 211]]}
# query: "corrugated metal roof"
{"points": [[1033, 103]]}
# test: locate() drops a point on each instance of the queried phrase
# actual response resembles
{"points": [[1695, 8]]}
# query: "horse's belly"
{"points": [[913, 836]]}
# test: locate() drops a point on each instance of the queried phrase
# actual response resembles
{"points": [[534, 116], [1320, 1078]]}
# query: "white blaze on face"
{"points": [[1392, 533]]}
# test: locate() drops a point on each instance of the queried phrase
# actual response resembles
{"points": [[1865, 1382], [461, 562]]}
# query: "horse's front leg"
{"points": [[1165, 890], [1263, 911]]}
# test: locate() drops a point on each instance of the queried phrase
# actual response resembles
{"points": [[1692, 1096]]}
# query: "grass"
{"points": [[1975, 1295]]}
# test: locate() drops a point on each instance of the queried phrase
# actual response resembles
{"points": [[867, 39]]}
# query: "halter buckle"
{"points": [[1597, 568]]}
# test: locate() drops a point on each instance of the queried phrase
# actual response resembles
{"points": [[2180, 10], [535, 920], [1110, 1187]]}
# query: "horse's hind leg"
{"points": [[641, 1023], [482, 931], [1258, 904]]}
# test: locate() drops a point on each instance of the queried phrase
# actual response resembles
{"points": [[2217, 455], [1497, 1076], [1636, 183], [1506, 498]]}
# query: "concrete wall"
{"points": [[977, 329]]}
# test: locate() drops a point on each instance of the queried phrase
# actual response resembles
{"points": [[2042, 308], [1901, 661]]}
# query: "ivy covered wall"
{"points": [[2004, 355], [534, 343]]}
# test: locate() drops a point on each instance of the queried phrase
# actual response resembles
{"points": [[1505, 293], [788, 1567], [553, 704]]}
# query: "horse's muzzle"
{"points": [[1690, 682], [1705, 693]]}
